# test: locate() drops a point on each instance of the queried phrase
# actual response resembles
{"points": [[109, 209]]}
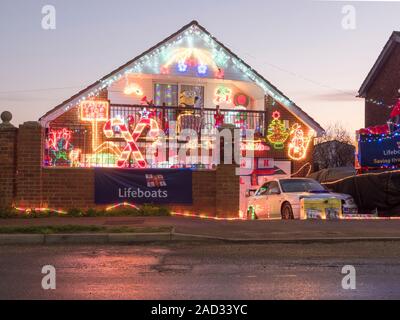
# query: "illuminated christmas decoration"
{"points": [[74, 157], [30, 210], [223, 95], [204, 216], [59, 145], [240, 118], [220, 74], [123, 204], [131, 139], [219, 119], [253, 146], [186, 58], [216, 53], [299, 143], [94, 112], [241, 99], [187, 98], [144, 113], [188, 120], [277, 131], [133, 89], [182, 66], [202, 69]]}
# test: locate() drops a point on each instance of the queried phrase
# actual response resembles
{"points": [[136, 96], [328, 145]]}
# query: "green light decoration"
{"points": [[277, 132]]}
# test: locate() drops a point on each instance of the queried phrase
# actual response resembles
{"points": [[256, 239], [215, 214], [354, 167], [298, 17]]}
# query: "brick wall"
{"points": [[227, 194], [29, 165], [8, 142], [385, 88], [68, 188], [26, 184]]}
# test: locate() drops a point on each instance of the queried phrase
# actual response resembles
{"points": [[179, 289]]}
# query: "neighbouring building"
{"points": [[379, 142], [380, 87], [90, 150]]}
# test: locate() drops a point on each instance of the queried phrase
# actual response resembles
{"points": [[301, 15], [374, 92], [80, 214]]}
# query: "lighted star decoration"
{"points": [[182, 66], [276, 115], [202, 69], [144, 113]]}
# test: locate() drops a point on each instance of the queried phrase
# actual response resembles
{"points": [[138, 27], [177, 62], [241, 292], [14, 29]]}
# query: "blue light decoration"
{"points": [[202, 69], [182, 66], [379, 150]]}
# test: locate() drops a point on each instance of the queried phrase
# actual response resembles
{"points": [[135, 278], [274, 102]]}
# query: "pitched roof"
{"points": [[379, 63], [96, 87]]}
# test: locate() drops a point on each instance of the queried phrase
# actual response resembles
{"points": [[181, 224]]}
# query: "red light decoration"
{"points": [[220, 74], [94, 110], [241, 99], [131, 139]]}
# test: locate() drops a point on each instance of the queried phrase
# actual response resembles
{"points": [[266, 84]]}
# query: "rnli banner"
{"points": [[380, 152], [143, 186]]}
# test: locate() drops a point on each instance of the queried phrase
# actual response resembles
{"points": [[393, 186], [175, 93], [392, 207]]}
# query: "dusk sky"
{"points": [[300, 46]]}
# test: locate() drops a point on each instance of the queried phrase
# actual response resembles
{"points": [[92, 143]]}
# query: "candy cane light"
{"points": [[131, 147]]}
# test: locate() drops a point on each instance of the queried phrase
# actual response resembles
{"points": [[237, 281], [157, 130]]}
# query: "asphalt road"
{"points": [[202, 271]]}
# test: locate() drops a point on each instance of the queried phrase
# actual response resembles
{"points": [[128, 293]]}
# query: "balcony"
{"points": [[200, 120]]}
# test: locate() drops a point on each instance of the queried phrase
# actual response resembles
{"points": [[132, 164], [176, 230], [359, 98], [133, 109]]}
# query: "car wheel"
{"points": [[251, 215], [287, 211]]}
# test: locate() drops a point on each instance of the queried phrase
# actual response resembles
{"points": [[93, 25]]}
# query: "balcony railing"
{"points": [[194, 118], [84, 144]]}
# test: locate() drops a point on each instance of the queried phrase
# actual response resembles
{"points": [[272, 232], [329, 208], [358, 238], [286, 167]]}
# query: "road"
{"points": [[202, 271]]}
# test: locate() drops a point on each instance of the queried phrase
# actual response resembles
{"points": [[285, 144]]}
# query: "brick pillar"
{"points": [[227, 191], [8, 146], [29, 165]]}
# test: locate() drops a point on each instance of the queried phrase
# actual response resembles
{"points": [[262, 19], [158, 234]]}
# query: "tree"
{"points": [[334, 149]]}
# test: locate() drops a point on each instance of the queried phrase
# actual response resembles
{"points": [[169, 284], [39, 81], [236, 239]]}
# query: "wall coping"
{"points": [[4, 127]]}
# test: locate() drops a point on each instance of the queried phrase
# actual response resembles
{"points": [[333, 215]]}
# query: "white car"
{"points": [[280, 198]]}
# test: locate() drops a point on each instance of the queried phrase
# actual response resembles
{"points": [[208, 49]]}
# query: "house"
{"points": [[92, 149], [378, 146], [380, 87], [166, 79]]}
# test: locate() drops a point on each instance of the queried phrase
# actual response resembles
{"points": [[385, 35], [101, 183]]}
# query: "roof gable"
{"points": [[379, 63], [153, 60]]}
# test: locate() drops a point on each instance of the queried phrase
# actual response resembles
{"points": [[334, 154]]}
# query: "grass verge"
{"points": [[80, 229]]}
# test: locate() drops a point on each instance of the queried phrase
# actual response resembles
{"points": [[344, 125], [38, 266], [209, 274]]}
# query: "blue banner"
{"points": [[379, 151], [143, 186]]}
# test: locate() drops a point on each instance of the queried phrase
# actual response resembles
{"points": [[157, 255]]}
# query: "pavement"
{"points": [[204, 229], [202, 270]]}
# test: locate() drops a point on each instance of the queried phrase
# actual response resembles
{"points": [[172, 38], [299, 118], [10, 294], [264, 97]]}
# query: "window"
{"points": [[166, 93], [273, 188], [188, 93], [302, 185], [263, 190]]}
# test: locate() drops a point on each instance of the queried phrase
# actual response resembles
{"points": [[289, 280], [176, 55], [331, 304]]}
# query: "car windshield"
{"points": [[302, 185]]}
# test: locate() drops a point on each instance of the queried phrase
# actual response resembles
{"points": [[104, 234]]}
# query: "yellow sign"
{"points": [[324, 209]]}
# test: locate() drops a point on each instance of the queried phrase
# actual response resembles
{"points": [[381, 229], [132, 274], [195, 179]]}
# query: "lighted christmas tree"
{"points": [[277, 132]]}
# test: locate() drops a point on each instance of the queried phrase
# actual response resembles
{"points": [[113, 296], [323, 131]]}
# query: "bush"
{"points": [[74, 213], [8, 213], [144, 211]]}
